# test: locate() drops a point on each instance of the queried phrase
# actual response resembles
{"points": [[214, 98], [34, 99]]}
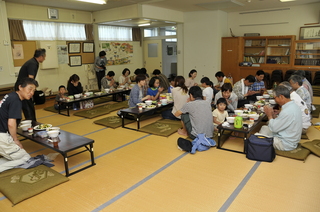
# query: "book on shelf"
{"points": [[261, 60], [248, 43], [287, 52], [261, 53]]}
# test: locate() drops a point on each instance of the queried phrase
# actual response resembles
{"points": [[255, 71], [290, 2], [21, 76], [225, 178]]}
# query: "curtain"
{"points": [[40, 30], [89, 31], [114, 33], [16, 30], [136, 34]]}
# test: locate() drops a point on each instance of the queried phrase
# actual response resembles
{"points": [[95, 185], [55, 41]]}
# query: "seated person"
{"points": [[190, 80], [231, 97], [258, 86], [11, 149], [305, 82], [180, 97], [241, 89], [154, 90], [75, 87], [306, 116], [220, 114], [136, 94], [124, 79], [221, 80], [296, 84], [164, 82], [286, 128], [196, 115], [171, 80], [61, 95], [208, 89], [108, 81]]}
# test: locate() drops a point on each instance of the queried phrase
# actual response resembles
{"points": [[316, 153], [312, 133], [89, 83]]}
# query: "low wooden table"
{"points": [[138, 113], [231, 127], [68, 142], [69, 103]]}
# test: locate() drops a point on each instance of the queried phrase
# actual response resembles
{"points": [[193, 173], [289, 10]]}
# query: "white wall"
{"points": [[202, 42], [6, 62], [296, 17]]}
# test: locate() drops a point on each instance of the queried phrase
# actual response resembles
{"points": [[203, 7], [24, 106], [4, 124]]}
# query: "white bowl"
{"points": [[77, 96], [254, 116], [107, 90], [248, 106], [272, 101], [53, 133], [267, 96], [238, 112], [98, 93], [53, 128], [148, 102], [25, 127], [87, 93], [164, 101], [259, 97], [270, 92], [26, 122], [230, 120]]}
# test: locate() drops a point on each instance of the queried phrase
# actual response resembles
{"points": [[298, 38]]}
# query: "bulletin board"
{"points": [[28, 48], [87, 57]]}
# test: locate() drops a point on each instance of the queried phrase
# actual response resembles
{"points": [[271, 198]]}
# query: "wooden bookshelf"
{"points": [[307, 53]]}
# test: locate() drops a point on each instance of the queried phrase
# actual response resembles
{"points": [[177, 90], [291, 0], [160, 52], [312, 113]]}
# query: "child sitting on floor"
{"points": [[154, 90], [61, 95], [220, 114]]}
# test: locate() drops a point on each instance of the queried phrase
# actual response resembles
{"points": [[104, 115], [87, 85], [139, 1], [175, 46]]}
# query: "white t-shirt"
{"points": [[208, 93], [220, 116], [306, 122]]}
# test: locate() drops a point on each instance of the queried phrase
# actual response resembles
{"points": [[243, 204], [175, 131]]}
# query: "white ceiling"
{"points": [[179, 5]]}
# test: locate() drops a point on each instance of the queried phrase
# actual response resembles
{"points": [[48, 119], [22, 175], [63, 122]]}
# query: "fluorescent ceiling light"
{"points": [[286, 0], [147, 24], [95, 1]]}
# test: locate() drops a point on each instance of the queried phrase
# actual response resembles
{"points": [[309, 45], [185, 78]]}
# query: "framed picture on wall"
{"points": [[74, 48], [309, 32], [75, 60], [87, 47]]}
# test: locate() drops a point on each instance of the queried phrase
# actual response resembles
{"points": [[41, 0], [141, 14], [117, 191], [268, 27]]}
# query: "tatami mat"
{"points": [[136, 171]]}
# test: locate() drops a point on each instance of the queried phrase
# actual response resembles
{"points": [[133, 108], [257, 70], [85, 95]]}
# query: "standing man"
{"points": [[100, 67], [10, 115], [30, 69]]}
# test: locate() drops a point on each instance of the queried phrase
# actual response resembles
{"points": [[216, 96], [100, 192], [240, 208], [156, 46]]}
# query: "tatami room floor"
{"points": [[136, 171]]}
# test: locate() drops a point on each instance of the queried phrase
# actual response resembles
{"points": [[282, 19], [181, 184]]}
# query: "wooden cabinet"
{"points": [[268, 49], [268, 53], [307, 53]]}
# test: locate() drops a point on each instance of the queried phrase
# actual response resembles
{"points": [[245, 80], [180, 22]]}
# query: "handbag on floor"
{"points": [[260, 148]]}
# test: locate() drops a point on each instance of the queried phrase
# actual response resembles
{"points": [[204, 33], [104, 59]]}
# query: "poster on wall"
{"points": [[62, 54], [17, 52], [118, 53]]}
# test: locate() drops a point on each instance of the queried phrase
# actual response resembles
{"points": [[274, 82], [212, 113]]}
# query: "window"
{"points": [[40, 30], [151, 32], [114, 33]]}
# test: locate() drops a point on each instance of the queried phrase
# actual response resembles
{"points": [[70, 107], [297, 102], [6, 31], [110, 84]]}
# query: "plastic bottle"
{"points": [[274, 85]]}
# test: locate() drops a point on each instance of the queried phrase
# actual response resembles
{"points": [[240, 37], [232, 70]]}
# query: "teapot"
{"points": [[238, 122]]}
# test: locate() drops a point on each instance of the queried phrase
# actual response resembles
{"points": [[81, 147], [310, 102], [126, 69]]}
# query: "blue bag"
{"points": [[260, 148]]}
